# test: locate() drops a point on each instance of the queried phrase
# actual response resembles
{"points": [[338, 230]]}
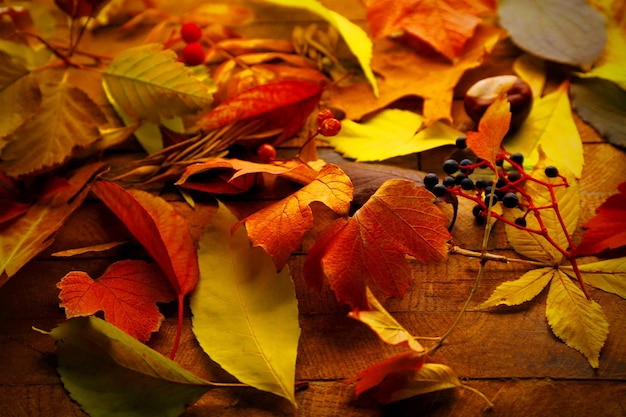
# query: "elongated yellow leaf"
{"points": [[390, 133], [550, 125], [109, 373], [532, 245], [147, 82], [245, 314], [519, 291], [579, 322], [356, 38], [609, 275]]}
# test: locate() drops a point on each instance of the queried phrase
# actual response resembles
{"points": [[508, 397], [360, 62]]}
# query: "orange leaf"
{"points": [[374, 375], [446, 25], [370, 249], [279, 105], [607, 230], [279, 228], [127, 293], [492, 128]]}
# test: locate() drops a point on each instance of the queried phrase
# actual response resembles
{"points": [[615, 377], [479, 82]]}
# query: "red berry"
{"points": [[266, 153], [190, 32], [329, 127], [323, 115], [193, 54]]}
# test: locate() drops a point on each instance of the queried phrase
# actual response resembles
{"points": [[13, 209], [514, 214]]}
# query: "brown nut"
{"points": [[480, 95]]}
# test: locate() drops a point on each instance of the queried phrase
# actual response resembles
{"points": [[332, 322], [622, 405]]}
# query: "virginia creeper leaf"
{"points": [[127, 293], [356, 38], [446, 25], [519, 291], [602, 104], [551, 125], [405, 73], [376, 374], [608, 275], [492, 128], [607, 229], [280, 227], [431, 377], [26, 237], [66, 119], [370, 249], [245, 314], [566, 31], [537, 247], [385, 325], [390, 133], [148, 82], [107, 372], [282, 105], [579, 322], [161, 230]]}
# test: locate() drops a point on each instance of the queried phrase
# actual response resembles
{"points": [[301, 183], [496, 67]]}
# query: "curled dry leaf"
{"points": [[127, 293]]}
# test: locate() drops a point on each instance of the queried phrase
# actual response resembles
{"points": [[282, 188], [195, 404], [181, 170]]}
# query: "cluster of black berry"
{"points": [[507, 189]]}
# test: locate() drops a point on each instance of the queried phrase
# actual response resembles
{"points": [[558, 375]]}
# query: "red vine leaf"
{"points": [[161, 230], [281, 105], [492, 128], [607, 230], [376, 374], [445, 25], [369, 251], [279, 228], [127, 293]]}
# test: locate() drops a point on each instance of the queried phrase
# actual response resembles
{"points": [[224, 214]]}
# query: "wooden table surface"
{"points": [[511, 355]]}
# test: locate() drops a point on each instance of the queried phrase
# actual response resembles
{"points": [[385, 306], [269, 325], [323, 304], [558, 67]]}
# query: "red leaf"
{"points": [[11, 210], [492, 128], [80, 8], [280, 105], [374, 375], [445, 25], [370, 250], [162, 231], [607, 230], [127, 293]]}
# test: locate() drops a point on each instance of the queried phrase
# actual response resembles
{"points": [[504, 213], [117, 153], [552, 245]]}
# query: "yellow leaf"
{"points": [[579, 322], [550, 125], [390, 133], [519, 291], [431, 377], [384, 325], [609, 275], [245, 314], [535, 246], [532, 70]]}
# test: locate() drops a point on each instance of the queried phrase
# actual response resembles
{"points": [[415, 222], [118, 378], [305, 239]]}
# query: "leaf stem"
{"points": [[457, 250]]}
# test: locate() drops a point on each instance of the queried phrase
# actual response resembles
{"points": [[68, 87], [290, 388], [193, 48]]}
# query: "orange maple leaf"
{"points": [[369, 250], [446, 25], [127, 293], [492, 128], [280, 227]]}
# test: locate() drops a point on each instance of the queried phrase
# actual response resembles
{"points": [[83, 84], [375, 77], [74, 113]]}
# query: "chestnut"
{"points": [[480, 95]]}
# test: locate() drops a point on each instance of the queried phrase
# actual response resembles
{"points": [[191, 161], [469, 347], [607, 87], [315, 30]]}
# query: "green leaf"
{"points": [[608, 275], [245, 314], [109, 373], [550, 125], [602, 104], [519, 291], [579, 322], [356, 38], [67, 119], [566, 31], [147, 82], [390, 133]]}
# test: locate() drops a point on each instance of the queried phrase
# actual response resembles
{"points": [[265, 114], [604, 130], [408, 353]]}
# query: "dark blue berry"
{"points": [[551, 171], [459, 178], [481, 184], [510, 200], [439, 190], [467, 184], [465, 165], [488, 199], [450, 166], [518, 158], [478, 210], [512, 177], [430, 180], [461, 142], [449, 181], [520, 221]]}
